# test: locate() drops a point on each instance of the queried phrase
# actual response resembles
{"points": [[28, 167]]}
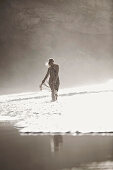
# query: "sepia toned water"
{"points": [[54, 152]]}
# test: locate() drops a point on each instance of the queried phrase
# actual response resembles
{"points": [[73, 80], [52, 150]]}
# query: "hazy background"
{"points": [[78, 34]]}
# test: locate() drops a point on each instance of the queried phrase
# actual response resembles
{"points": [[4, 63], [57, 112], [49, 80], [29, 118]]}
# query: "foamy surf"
{"points": [[77, 110]]}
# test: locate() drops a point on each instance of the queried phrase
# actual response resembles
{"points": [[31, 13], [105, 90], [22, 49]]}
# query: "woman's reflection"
{"points": [[56, 143]]}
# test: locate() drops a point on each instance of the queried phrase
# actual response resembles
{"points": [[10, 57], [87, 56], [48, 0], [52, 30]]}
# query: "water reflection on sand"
{"points": [[54, 152], [83, 152], [56, 143]]}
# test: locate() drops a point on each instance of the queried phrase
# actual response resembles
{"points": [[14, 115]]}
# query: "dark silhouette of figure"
{"points": [[54, 82]]}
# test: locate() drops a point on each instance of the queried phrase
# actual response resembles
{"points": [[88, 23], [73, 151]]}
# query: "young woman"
{"points": [[54, 82]]}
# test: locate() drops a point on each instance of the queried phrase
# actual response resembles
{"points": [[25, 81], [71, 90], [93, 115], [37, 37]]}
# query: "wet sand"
{"points": [[53, 152]]}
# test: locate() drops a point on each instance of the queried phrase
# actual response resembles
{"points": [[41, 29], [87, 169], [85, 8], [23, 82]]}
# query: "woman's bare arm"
{"points": [[46, 76]]}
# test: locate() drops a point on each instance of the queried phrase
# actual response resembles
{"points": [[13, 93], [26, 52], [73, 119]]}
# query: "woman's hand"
{"points": [[41, 86]]}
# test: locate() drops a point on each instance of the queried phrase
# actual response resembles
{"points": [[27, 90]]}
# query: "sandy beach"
{"points": [[61, 51], [53, 152], [75, 110]]}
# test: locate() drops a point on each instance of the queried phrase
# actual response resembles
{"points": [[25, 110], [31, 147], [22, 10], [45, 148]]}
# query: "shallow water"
{"points": [[54, 152]]}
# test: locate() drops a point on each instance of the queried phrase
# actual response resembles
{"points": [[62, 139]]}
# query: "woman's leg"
{"points": [[56, 88], [53, 96]]}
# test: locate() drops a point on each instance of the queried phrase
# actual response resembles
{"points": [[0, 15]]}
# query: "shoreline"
{"points": [[11, 123]]}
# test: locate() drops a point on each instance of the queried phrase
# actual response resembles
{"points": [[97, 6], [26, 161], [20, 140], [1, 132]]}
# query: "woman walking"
{"points": [[54, 82]]}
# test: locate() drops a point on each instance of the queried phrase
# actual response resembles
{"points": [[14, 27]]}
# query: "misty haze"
{"points": [[76, 33]]}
